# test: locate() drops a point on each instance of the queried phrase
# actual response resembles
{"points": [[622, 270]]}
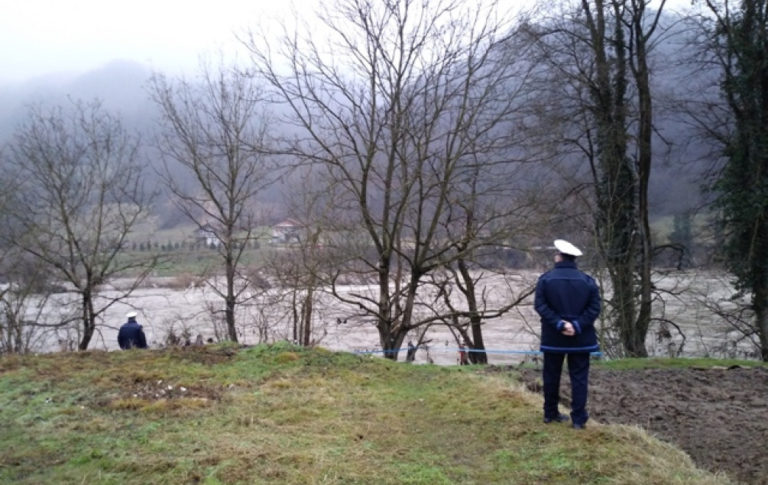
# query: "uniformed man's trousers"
{"points": [[578, 370]]}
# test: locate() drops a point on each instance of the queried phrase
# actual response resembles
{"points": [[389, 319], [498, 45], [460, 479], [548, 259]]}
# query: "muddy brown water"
{"points": [[509, 339]]}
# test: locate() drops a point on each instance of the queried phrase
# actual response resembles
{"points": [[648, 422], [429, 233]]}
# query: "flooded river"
{"points": [[189, 312]]}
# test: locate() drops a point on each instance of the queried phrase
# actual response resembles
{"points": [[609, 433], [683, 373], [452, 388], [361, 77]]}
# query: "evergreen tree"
{"points": [[741, 41]]}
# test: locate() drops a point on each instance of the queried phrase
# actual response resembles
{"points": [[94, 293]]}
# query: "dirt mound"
{"points": [[718, 416]]}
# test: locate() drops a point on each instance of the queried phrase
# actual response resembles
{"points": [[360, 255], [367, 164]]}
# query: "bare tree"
{"points": [[466, 299], [78, 200], [25, 291], [20, 283], [405, 99], [302, 266], [214, 130], [599, 60], [489, 213]]}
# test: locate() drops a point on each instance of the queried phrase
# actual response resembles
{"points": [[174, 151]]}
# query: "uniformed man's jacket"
{"points": [[131, 335], [566, 293]]}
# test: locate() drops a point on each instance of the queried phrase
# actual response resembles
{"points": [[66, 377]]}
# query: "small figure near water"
{"points": [[131, 334], [411, 355], [463, 355]]}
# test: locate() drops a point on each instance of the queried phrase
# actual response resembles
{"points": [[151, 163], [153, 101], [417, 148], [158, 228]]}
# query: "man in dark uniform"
{"points": [[411, 356], [131, 335], [568, 302]]}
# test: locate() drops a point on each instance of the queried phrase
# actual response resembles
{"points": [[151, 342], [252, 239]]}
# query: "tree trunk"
{"points": [[478, 354], [475, 322], [230, 301], [645, 157], [306, 323], [760, 287], [624, 303], [760, 306], [385, 325], [616, 183], [229, 314], [296, 316], [89, 320]]}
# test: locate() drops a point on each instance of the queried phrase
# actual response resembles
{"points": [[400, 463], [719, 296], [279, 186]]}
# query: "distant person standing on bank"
{"points": [[131, 335], [568, 302]]}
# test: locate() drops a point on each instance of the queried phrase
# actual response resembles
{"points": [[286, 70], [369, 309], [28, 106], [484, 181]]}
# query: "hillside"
{"points": [[279, 414]]}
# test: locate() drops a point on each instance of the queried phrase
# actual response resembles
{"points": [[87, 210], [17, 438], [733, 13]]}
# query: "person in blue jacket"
{"points": [[568, 302], [131, 335]]}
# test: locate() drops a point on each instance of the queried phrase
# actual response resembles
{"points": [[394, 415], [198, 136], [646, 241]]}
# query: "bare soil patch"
{"points": [[719, 416]]}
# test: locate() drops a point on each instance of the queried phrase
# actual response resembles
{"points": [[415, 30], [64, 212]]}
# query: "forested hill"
{"points": [[121, 85]]}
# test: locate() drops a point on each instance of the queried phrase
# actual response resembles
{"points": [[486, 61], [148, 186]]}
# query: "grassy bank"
{"points": [[279, 414], [678, 363]]}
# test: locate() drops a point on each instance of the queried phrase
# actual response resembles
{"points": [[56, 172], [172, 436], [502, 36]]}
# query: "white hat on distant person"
{"points": [[564, 247], [131, 314]]}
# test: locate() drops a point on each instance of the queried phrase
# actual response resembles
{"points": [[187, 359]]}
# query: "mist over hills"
{"points": [[122, 87]]}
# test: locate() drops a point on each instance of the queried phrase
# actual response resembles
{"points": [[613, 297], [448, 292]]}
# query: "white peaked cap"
{"points": [[131, 314], [564, 247]]}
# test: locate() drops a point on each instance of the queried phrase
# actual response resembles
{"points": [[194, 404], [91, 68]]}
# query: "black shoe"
{"points": [[560, 418], [579, 425]]}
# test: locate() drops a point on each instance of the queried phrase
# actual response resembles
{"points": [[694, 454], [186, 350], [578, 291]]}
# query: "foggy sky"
{"points": [[43, 37]]}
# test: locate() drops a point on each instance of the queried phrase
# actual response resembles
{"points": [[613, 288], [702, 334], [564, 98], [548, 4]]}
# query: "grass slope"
{"points": [[280, 414]]}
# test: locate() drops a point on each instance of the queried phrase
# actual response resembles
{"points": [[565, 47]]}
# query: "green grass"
{"points": [[279, 414], [190, 262]]}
